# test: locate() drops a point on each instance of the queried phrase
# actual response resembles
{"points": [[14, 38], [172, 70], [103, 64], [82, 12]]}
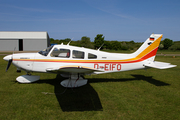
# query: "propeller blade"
{"points": [[9, 64], [9, 58]]}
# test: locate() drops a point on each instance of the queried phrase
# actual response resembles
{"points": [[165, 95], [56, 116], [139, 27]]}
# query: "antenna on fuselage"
{"points": [[61, 43], [100, 47], [70, 41], [14, 49]]}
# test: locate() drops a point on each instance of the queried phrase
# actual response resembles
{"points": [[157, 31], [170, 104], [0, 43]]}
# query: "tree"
{"points": [[132, 42], [107, 45], [85, 42], [175, 46], [76, 43], [167, 43], [98, 41], [51, 40], [124, 46], [161, 46], [64, 41], [115, 45]]}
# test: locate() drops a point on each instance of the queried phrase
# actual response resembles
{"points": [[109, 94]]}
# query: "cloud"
{"points": [[113, 13], [22, 17], [112, 7], [28, 9]]}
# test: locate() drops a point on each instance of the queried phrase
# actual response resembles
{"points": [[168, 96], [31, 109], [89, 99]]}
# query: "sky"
{"points": [[122, 20]]}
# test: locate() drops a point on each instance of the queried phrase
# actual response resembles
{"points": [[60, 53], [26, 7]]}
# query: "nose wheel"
{"points": [[28, 73]]}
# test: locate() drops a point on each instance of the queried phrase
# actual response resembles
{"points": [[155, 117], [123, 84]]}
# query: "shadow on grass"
{"points": [[86, 98], [150, 80], [136, 77]]}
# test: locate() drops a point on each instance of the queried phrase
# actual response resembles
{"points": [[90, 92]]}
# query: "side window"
{"points": [[63, 53], [92, 56], [78, 54]]}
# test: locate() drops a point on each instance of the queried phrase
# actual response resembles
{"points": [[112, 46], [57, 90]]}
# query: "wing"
{"points": [[159, 65], [73, 69]]}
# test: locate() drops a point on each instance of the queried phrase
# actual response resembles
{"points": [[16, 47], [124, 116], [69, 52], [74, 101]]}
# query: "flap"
{"points": [[73, 69]]}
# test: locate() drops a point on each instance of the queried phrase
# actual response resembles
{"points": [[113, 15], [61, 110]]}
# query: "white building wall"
{"points": [[32, 41], [9, 45], [23, 35], [34, 45]]}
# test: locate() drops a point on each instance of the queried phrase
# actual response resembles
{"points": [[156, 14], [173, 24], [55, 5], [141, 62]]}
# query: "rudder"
{"points": [[149, 48]]}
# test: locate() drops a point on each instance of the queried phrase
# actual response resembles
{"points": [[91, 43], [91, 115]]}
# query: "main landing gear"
{"points": [[74, 81]]}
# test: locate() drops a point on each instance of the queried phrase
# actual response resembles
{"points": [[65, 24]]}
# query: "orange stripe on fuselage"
{"points": [[136, 59]]}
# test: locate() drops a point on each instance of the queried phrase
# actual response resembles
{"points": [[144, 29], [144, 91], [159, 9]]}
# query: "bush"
{"points": [[161, 46], [124, 46], [167, 43], [175, 47]]}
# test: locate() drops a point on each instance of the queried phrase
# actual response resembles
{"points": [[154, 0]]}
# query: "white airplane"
{"points": [[74, 62]]}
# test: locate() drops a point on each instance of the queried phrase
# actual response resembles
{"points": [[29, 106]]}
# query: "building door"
{"points": [[20, 44]]}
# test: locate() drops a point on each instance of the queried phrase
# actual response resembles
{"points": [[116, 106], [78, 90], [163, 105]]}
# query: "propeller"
{"points": [[9, 58], [9, 64]]}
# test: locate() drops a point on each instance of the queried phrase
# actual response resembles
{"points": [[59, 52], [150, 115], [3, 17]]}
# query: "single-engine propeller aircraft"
{"points": [[74, 62]]}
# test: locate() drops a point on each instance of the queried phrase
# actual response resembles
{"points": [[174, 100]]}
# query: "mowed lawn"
{"points": [[141, 94]]}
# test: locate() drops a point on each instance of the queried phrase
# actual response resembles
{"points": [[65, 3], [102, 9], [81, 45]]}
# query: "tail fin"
{"points": [[148, 52], [149, 48]]}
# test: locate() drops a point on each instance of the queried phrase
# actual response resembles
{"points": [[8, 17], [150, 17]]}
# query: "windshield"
{"points": [[45, 51]]}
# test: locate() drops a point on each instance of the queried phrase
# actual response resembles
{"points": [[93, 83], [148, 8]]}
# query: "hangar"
{"points": [[23, 41]]}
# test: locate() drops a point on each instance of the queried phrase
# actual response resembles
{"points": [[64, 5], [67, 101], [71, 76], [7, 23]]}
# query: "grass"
{"points": [[168, 52], [140, 94]]}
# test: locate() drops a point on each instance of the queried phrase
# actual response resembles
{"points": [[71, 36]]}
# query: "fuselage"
{"points": [[58, 56]]}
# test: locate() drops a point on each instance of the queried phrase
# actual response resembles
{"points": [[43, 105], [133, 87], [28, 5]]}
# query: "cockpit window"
{"points": [[64, 53], [45, 51], [78, 54], [92, 56]]}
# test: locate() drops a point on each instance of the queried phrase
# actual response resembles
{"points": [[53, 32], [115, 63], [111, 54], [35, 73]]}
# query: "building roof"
{"points": [[23, 35]]}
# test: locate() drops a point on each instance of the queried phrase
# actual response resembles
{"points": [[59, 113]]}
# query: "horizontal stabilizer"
{"points": [[159, 65]]}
